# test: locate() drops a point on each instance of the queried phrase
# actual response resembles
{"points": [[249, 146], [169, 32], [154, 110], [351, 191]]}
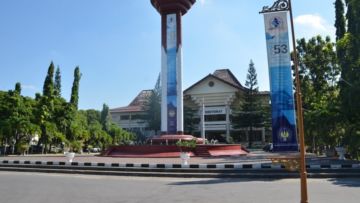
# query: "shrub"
{"points": [[186, 145]]}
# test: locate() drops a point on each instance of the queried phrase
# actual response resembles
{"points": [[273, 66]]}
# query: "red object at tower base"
{"points": [[163, 146]]}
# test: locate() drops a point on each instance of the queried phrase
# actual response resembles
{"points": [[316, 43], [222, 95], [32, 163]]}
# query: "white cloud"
{"points": [[202, 2], [312, 21], [310, 25], [29, 87]]}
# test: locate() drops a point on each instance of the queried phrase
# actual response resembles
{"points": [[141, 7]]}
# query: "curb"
{"points": [[243, 171], [235, 166]]}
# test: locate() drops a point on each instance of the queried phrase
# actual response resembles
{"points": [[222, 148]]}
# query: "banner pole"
{"points": [[303, 173]]}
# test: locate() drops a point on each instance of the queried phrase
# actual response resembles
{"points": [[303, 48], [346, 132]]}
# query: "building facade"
{"points": [[209, 105], [131, 117]]}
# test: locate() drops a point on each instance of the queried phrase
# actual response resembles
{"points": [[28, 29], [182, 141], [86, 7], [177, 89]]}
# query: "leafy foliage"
{"points": [[105, 118], [186, 145], [57, 85], [16, 117], [319, 70], [74, 98], [340, 21], [57, 122], [190, 120], [48, 89], [152, 108], [348, 47]]}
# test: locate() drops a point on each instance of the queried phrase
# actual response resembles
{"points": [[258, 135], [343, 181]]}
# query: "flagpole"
{"points": [[303, 173], [285, 5]]}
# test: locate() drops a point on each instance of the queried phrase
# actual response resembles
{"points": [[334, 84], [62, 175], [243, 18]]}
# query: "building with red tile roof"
{"points": [[211, 101]]}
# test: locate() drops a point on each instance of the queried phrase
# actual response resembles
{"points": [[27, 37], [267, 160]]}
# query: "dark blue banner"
{"points": [[281, 85]]}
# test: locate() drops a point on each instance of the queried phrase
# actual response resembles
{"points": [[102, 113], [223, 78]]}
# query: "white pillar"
{"points": [[180, 106], [227, 110], [203, 120], [163, 90]]}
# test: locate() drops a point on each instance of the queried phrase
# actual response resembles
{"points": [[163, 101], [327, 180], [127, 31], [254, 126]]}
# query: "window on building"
{"points": [[115, 117], [218, 117], [124, 117], [137, 117]]}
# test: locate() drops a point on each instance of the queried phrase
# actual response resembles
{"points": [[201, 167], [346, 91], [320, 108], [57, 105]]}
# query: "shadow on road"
{"points": [[219, 181], [346, 182]]}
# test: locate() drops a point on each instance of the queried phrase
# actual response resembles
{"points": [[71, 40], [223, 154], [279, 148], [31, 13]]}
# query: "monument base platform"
{"points": [[167, 151]]}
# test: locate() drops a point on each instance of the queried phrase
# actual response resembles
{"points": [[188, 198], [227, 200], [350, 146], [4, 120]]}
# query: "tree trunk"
{"points": [[5, 146], [250, 136]]}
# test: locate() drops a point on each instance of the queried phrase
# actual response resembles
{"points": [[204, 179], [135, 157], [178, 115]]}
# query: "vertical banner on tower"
{"points": [[171, 93], [281, 85]]}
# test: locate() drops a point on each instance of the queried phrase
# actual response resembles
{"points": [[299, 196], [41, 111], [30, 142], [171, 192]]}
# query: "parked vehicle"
{"points": [[268, 147], [95, 149]]}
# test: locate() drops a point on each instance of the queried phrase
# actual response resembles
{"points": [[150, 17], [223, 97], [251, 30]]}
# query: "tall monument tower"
{"points": [[171, 63]]}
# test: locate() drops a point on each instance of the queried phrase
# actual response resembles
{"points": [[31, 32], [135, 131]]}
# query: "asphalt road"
{"points": [[18, 187]]}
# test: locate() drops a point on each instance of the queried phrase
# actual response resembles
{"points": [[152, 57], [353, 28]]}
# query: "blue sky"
{"points": [[116, 43]]}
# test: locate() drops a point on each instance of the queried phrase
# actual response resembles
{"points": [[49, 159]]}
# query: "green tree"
{"points": [[97, 137], [44, 116], [79, 134], [17, 88], [339, 19], [3, 111], [103, 132], [57, 85], [350, 63], [105, 118], [349, 84], [249, 113], [92, 116], [152, 108], [48, 89], [17, 121], [74, 99], [57, 120], [319, 71], [189, 120], [120, 136], [63, 115], [45, 109]]}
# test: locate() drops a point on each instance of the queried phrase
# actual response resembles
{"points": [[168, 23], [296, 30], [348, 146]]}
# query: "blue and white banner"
{"points": [[281, 85], [171, 58]]}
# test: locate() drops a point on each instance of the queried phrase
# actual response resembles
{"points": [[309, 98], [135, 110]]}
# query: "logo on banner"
{"points": [[276, 22], [284, 134], [172, 113]]}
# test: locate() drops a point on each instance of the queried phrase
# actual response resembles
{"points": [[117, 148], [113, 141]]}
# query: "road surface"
{"points": [[19, 187]]}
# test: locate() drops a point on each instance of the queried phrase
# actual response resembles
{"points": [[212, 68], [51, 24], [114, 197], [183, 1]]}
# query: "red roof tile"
{"points": [[136, 105], [227, 75]]}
